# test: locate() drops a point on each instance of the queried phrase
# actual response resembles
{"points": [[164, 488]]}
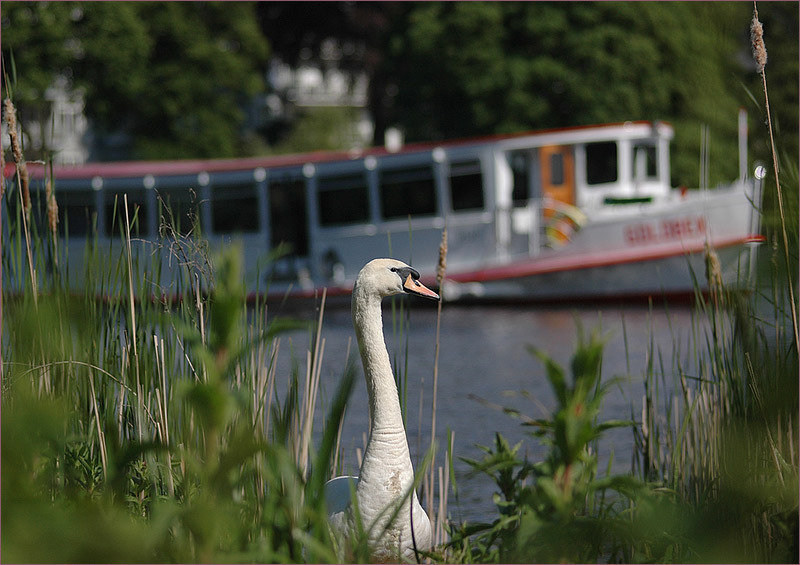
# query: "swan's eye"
{"points": [[404, 272]]}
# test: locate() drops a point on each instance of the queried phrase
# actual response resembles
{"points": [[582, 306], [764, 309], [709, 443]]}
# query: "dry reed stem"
{"points": [[2, 194], [132, 312], [439, 526], [101, 437], [314, 369], [2, 172], [161, 367], [442, 517], [120, 412], [337, 448], [760, 56], [271, 384], [440, 274], [259, 382]]}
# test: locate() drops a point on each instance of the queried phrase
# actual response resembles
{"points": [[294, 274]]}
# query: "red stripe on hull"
{"points": [[538, 266]]}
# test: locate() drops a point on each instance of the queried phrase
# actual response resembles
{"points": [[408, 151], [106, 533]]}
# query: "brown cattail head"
{"points": [[13, 131], [16, 150], [52, 207], [757, 42], [442, 266], [714, 275]]}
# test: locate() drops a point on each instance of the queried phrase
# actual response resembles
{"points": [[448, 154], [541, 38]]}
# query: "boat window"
{"points": [[644, 161], [178, 209], [115, 212], [408, 192], [521, 170], [287, 214], [76, 212], [601, 162], [234, 208], [556, 169], [342, 199], [466, 185]]}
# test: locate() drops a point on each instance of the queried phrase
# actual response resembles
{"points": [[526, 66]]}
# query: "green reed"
{"points": [[719, 421], [144, 422], [164, 412], [719, 425]]}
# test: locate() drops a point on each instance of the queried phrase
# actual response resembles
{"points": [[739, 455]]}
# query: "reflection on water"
{"points": [[484, 362]]}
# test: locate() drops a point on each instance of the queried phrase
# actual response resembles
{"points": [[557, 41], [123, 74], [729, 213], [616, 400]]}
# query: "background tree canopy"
{"points": [[177, 76], [173, 75], [467, 68]]}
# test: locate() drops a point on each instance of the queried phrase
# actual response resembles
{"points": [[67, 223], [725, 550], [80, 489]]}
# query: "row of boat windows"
{"points": [[341, 200]]}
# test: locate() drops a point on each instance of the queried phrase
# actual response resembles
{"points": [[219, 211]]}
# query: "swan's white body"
{"points": [[386, 477]]}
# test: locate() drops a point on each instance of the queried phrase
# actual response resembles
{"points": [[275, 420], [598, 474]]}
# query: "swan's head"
{"points": [[387, 277]]}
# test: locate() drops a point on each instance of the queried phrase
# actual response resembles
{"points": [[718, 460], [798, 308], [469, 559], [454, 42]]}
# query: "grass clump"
{"points": [[153, 453]]}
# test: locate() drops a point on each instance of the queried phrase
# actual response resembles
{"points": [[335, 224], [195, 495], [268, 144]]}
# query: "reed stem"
{"points": [[440, 274], [760, 54]]}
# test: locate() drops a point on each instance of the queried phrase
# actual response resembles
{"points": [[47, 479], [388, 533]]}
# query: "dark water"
{"points": [[484, 363]]}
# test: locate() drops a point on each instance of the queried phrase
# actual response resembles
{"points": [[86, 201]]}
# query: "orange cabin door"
{"points": [[558, 173]]}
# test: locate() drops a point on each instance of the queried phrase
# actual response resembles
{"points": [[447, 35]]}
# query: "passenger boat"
{"points": [[563, 214]]}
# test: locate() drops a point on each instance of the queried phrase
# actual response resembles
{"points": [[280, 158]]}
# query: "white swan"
{"points": [[386, 474]]}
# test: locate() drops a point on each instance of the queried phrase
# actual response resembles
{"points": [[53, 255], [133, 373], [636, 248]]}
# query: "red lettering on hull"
{"points": [[689, 227]]}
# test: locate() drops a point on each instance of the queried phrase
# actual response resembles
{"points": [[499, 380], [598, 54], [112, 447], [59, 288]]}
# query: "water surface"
{"points": [[485, 364]]}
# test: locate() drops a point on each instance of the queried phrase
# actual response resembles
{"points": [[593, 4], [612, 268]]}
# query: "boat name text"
{"points": [[672, 229]]}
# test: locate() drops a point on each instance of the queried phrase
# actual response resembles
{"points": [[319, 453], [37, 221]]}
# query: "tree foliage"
{"points": [[177, 76], [173, 75], [476, 68]]}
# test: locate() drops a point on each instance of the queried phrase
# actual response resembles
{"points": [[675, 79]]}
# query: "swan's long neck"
{"points": [[384, 405], [386, 474]]}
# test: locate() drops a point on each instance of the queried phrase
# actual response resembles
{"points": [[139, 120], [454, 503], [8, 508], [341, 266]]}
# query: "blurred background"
{"points": [[117, 81], [100, 81]]}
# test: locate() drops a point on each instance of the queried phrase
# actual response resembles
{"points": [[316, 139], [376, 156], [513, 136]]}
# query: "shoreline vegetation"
{"points": [[146, 431]]}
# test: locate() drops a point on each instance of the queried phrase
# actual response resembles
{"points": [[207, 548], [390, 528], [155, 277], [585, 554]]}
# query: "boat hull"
{"points": [[655, 249], [668, 276], [646, 250]]}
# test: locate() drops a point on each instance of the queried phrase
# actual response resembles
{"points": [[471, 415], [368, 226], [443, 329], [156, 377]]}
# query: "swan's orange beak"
{"points": [[415, 287]]}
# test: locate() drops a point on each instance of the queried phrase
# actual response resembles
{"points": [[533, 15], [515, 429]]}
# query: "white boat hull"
{"points": [[657, 277]]}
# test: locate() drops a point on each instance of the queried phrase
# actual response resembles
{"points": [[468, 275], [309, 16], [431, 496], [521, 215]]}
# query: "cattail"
{"points": [[2, 172], [713, 274], [757, 42], [16, 150], [442, 266], [22, 171], [13, 134], [52, 206]]}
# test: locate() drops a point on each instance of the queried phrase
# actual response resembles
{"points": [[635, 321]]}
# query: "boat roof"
{"points": [[133, 169]]}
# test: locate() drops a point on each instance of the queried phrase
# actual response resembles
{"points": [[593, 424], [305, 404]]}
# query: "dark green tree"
{"points": [[173, 75], [456, 69]]}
